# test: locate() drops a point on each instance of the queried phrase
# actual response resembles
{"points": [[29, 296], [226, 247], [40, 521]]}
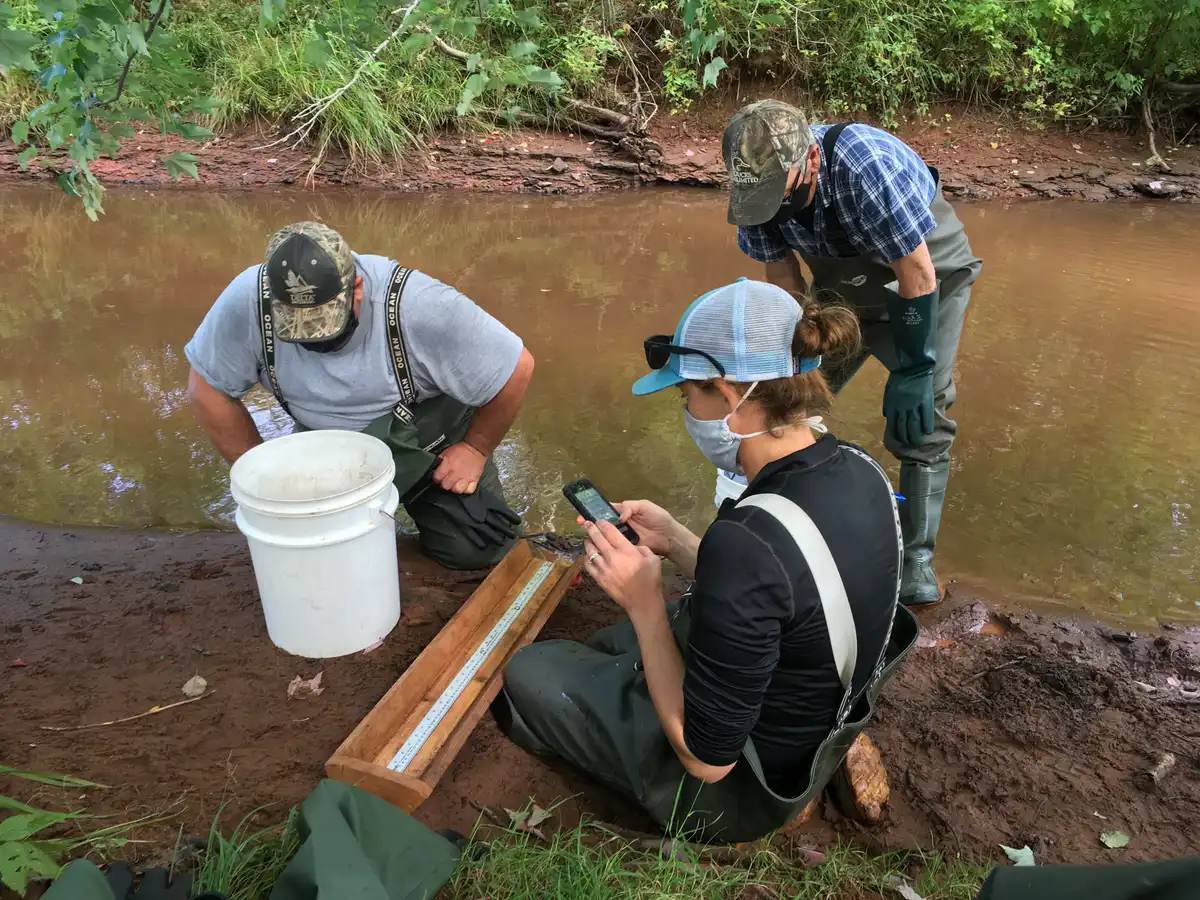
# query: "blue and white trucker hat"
{"points": [[747, 326]]}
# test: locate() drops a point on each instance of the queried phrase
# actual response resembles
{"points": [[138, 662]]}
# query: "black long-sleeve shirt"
{"points": [[759, 661]]}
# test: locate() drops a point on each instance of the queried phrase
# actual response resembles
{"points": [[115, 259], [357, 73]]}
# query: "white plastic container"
{"points": [[312, 506], [729, 487]]}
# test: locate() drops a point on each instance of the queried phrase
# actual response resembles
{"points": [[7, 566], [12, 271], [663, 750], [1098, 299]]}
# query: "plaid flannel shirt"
{"points": [[882, 190]]}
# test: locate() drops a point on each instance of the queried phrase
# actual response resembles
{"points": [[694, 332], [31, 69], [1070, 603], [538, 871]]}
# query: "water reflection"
{"points": [[1073, 475]]}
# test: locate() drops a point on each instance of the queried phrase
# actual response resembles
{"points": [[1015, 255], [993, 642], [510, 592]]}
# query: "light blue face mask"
{"points": [[720, 444]]}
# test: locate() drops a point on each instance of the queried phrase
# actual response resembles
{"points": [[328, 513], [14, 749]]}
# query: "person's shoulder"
{"points": [[240, 297], [874, 150]]}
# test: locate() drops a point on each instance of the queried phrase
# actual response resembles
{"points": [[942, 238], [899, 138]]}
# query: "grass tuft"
{"points": [[246, 865], [589, 863]]}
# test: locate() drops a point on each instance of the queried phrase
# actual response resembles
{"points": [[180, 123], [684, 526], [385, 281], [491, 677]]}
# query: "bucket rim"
{"points": [[277, 506]]}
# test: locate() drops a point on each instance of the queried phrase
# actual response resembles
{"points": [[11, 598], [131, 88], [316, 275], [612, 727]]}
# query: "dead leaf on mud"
{"points": [[300, 687], [195, 686], [1022, 857], [528, 820], [1114, 840], [903, 888]]}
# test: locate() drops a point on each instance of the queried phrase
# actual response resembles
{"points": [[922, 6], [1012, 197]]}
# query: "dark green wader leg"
{"points": [[924, 467], [437, 424], [588, 704], [1174, 879]]}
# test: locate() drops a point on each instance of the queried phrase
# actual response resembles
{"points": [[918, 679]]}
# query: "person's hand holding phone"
{"points": [[653, 524]]}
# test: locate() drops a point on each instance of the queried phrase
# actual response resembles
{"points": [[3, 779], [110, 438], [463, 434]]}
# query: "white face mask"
{"points": [[720, 444]]}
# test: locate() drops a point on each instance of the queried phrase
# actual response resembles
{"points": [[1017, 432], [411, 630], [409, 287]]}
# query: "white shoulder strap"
{"points": [[839, 620]]}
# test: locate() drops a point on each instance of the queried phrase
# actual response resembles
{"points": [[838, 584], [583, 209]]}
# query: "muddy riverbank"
{"points": [[1002, 728], [979, 157]]}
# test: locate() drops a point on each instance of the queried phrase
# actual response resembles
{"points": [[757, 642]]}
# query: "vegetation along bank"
{"points": [[1086, 98]]}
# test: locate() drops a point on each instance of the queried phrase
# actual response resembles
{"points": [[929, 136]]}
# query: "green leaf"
{"points": [[14, 49], [475, 86], [19, 132], [137, 38], [415, 43], [19, 860], [97, 13], [47, 76], [138, 114], [203, 106], [24, 826], [26, 156], [712, 70], [1022, 857], [1114, 840], [530, 18], [547, 78], [180, 164], [54, 9], [464, 27], [772, 19], [269, 11], [51, 778], [473, 62], [522, 49], [16, 805], [190, 131], [317, 52]]}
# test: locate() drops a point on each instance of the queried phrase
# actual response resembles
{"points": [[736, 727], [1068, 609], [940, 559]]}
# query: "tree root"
{"points": [[1148, 120]]}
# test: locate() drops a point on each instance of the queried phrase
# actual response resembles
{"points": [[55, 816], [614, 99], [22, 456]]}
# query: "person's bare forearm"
{"points": [[684, 547], [662, 664], [915, 274], [786, 273], [491, 422], [225, 420]]}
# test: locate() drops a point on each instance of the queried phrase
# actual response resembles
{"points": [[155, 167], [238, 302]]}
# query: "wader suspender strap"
{"points": [[267, 328], [408, 396], [839, 619], [834, 232]]}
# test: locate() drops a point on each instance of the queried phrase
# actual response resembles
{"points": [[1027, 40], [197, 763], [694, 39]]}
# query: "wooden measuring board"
{"points": [[407, 742]]}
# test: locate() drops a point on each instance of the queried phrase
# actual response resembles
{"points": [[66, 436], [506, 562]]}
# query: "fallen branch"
{"points": [[1175, 87], [313, 112], [610, 134], [600, 112], [1149, 122], [153, 711], [1003, 665]]}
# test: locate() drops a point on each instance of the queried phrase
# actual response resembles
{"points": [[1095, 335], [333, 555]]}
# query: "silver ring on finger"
{"points": [[595, 556]]}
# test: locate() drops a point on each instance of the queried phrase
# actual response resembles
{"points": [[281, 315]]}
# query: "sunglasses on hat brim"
{"points": [[659, 349]]}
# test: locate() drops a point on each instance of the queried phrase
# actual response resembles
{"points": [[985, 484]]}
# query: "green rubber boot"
{"points": [[924, 492]]}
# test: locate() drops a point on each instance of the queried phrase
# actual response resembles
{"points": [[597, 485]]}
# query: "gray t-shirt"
{"points": [[454, 348]]}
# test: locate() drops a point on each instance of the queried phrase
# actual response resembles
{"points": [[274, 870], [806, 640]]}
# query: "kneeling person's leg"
{"points": [[444, 541]]}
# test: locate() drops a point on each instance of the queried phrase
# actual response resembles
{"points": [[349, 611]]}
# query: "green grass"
{"points": [[589, 863], [245, 865]]}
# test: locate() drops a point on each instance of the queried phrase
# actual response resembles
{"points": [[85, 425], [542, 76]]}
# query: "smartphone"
{"points": [[591, 504]]}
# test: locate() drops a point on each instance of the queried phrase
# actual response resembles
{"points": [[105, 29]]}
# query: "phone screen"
{"points": [[597, 506]]}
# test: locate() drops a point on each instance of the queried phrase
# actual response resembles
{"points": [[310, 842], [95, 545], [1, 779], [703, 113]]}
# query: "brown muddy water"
{"points": [[1079, 414]]}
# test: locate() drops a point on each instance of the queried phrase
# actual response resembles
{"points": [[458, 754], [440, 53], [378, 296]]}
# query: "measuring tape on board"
{"points": [[429, 723]]}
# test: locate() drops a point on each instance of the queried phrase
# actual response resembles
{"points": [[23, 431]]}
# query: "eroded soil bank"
{"points": [[979, 156], [1010, 729]]}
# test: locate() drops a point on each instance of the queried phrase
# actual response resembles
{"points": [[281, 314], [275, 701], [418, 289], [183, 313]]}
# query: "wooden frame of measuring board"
{"points": [[410, 738]]}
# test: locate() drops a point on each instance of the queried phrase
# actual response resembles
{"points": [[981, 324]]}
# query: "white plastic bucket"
{"points": [[312, 506], [729, 487]]}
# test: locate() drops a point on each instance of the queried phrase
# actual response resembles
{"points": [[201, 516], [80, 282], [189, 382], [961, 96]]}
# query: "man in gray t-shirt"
{"points": [[440, 380]]}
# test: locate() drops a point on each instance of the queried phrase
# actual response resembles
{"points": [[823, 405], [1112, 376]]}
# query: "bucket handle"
{"points": [[377, 506]]}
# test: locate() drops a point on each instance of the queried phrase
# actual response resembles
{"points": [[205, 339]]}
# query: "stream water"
{"points": [[1079, 415]]}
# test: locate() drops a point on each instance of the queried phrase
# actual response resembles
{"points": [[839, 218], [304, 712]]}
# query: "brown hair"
{"points": [[828, 331]]}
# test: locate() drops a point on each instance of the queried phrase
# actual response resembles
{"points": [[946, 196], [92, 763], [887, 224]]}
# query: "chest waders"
{"points": [[865, 283], [414, 430], [589, 704]]}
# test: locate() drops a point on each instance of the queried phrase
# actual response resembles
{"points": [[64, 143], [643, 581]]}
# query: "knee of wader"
{"points": [[463, 555]]}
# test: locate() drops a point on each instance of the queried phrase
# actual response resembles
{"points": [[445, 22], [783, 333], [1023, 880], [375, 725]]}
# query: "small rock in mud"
{"points": [[91, 567]]}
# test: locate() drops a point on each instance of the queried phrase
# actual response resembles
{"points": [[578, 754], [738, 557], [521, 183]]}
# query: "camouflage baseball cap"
{"points": [[311, 273], [761, 143]]}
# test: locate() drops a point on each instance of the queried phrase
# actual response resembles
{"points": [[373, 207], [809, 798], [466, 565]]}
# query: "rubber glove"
{"points": [[908, 397], [156, 884], [483, 518]]}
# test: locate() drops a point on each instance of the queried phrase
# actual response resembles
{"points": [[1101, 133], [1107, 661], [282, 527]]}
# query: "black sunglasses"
{"points": [[659, 349]]}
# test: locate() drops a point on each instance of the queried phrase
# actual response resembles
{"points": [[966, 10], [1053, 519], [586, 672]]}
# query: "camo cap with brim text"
{"points": [[761, 144], [311, 273]]}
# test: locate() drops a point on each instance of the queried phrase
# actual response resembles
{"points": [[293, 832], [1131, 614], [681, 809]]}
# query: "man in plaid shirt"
{"points": [[867, 216]]}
